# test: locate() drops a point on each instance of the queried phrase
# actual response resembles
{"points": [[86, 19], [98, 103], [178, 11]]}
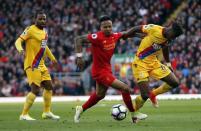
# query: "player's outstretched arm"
{"points": [[18, 45], [132, 32], [78, 50], [79, 40]]}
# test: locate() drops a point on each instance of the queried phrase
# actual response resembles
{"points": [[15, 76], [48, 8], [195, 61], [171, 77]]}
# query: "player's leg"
{"points": [[30, 98], [171, 81], [161, 89], [145, 94], [47, 97], [141, 74], [96, 96], [34, 82], [164, 73], [93, 99], [125, 90]]}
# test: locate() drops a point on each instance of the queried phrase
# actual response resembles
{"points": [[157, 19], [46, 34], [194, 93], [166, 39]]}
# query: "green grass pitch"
{"points": [[172, 115]]}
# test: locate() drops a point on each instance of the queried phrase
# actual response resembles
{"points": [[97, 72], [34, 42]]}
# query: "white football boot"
{"points": [[26, 118], [138, 116], [50, 115], [78, 112]]}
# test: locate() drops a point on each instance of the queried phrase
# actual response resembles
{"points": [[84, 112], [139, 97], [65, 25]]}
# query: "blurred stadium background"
{"points": [[69, 18]]}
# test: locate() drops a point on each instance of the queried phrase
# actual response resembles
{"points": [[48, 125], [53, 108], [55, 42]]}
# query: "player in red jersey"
{"points": [[102, 45]]}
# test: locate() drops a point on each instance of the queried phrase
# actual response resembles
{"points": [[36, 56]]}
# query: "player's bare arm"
{"points": [[165, 51], [78, 49], [79, 41], [132, 32]]}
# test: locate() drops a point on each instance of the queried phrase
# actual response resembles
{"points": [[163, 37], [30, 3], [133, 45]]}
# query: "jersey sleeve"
{"points": [[26, 34], [118, 35], [49, 54], [93, 38], [147, 28]]}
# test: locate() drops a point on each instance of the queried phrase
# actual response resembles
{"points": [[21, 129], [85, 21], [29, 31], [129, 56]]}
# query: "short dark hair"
{"points": [[104, 18], [39, 11], [177, 29]]}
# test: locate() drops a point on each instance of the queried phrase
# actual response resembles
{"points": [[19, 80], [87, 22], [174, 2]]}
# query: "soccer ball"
{"points": [[119, 112]]}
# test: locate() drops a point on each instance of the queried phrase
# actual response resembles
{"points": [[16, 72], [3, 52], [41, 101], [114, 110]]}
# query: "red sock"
{"points": [[152, 97], [128, 101], [93, 99]]}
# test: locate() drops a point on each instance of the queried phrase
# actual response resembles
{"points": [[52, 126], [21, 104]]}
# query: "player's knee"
{"points": [[100, 95], [48, 87], [145, 96], [175, 83], [126, 90], [35, 90]]}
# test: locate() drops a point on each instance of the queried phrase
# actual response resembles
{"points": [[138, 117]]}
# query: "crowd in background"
{"points": [[69, 18]]}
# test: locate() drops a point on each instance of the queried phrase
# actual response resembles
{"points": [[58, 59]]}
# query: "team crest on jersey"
{"points": [[24, 33], [94, 36]]}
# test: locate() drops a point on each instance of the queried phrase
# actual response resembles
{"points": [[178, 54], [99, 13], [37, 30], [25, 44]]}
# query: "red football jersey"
{"points": [[102, 50]]}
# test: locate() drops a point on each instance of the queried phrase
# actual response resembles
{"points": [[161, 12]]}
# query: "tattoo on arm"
{"points": [[79, 41], [132, 32]]}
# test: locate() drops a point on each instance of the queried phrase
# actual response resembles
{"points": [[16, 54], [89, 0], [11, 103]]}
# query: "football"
{"points": [[119, 112]]}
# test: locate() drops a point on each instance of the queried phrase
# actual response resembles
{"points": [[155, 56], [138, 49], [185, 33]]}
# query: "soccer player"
{"points": [[102, 45], [146, 64], [35, 38]]}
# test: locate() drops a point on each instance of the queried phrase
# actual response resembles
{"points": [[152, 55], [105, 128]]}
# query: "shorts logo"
{"points": [[141, 75], [94, 36]]}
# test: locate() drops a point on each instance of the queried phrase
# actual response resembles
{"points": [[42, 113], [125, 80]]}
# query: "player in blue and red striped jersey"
{"points": [[146, 63], [102, 45], [36, 50]]}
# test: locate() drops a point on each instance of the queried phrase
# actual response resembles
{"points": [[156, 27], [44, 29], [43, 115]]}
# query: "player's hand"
{"points": [[21, 52], [55, 63], [80, 63]]}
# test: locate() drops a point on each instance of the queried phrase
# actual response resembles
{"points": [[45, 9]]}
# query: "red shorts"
{"points": [[104, 77]]}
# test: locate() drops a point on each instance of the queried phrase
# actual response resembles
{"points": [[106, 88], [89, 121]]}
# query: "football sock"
{"points": [[93, 99], [28, 103], [139, 102], [128, 101], [47, 96], [161, 89]]}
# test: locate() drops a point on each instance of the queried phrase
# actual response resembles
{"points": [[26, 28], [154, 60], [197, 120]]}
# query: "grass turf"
{"points": [[177, 115]]}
